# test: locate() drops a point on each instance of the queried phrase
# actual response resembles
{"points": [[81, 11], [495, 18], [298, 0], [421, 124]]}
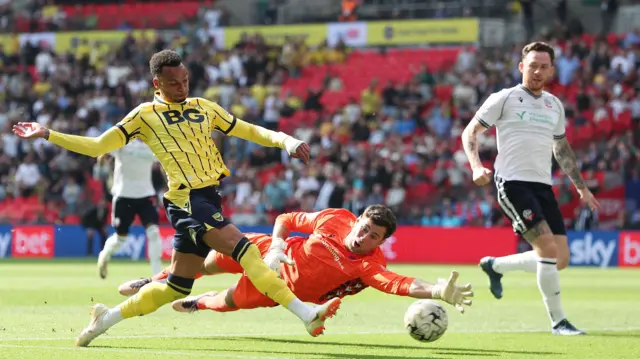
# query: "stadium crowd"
{"points": [[379, 147]]}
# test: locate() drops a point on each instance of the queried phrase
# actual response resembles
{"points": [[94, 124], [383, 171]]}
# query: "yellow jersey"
{"points": [[179, 135]]}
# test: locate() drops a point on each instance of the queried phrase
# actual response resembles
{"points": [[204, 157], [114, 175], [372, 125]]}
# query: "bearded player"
{"points": [[178, 129], [342, 256], [530, 127]]}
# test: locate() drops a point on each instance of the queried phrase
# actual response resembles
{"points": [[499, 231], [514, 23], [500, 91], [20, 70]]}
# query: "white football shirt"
{"points": [[526, 126], [132, 171]]}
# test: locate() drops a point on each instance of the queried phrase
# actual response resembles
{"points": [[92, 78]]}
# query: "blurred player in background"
{"points": [[133, 195], [95, 223], [530, 126], [178, 131], [341, 257]]}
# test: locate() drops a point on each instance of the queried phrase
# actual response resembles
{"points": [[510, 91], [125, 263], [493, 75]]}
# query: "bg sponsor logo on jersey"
{"points": [[5, 241], [174, 116], [133, 247], [595, 248], [32, 242], [629, 245]]}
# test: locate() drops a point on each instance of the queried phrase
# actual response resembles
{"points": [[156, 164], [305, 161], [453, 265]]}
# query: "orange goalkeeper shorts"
{"points": [[246, 296]]}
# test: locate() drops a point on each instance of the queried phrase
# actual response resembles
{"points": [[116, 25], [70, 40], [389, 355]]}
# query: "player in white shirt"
{"points": [[133, 194], [530, 125]]}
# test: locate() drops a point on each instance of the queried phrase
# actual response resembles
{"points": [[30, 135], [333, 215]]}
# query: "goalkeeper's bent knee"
{"points": [[154, 295], [262, 277]]}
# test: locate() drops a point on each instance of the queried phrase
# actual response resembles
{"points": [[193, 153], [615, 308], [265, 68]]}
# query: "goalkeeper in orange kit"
{"points": [[341, 257]]}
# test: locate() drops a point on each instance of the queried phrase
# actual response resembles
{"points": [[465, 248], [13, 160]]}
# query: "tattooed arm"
{"points": [[567, 160], [470, 142]]}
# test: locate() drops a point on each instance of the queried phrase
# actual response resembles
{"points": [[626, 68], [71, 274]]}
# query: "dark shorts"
{"points": [[528, 203], [206, 213], [125, 210]]}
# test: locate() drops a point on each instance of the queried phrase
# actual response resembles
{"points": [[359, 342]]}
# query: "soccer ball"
{"points": [[426, 320]]}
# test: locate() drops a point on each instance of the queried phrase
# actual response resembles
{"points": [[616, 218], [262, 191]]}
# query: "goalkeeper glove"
{"points": [[276, 255], [448, 291]]}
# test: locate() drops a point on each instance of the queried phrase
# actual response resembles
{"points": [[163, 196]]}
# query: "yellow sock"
{"points": [[153, 296], [262, 277]]}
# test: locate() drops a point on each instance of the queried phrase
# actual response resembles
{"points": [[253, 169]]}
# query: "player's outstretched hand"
{"points": [[589, 199], [303, 152], [274, 257], [298, 149], [29, 130], [450, 292], [481, 176]]}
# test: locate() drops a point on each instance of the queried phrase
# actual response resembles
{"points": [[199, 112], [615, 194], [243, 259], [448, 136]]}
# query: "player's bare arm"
{"points": [[470, 142], [109, 141], [567, 160], [481, 175]]}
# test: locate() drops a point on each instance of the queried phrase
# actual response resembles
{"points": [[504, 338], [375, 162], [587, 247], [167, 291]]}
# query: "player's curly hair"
{"points": [[164, 58], [539, 46], [383, 217]]}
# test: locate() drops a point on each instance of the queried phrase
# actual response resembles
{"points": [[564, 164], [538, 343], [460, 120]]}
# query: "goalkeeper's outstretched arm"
{"points": [[445, 290]]}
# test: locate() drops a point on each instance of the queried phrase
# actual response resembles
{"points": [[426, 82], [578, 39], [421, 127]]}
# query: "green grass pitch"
{"points": [[43, 306]]}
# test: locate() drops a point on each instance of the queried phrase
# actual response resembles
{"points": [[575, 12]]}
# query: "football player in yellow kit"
{"points": [[178, 129]]}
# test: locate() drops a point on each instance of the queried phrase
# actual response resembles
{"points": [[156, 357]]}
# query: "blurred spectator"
{"points": [[27, 176], [349, 10], [95, 223], [586, 219], [375, 138]]}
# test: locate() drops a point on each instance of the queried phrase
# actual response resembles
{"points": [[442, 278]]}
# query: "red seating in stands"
{"points": [[604, 127], [139, 15], [419, 193], [623, 123], [443, 92], [334, 100], [72, 219], [583, 134], [361, 67]]}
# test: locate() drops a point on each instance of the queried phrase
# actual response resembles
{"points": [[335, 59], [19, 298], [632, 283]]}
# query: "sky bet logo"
{"points": [[133, 247], [629, 249], [596, 248], [5, 244]]}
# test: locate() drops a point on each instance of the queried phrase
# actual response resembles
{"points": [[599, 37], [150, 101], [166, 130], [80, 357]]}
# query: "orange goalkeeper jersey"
{"points": [[325, 268]]}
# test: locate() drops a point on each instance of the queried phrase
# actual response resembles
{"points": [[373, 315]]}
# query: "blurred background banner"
{"points": [[312, 34], [629, 249], [353, 34], [414, 32], [69, 41], [410, 244]]}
